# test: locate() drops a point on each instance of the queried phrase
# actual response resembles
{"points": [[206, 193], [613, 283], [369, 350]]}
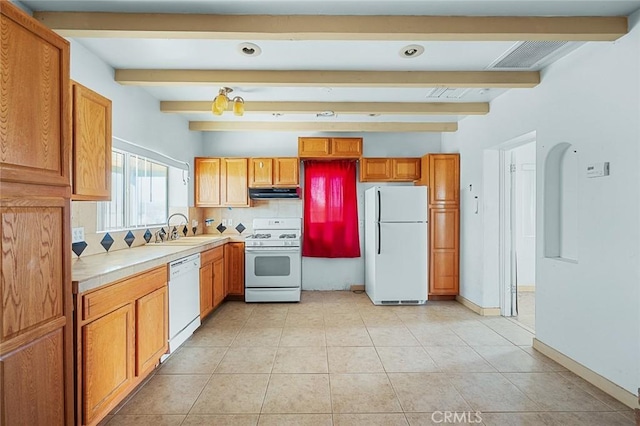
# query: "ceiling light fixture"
{"points": [[221, 103], [326, 114], [249, 49], [411, 51]]}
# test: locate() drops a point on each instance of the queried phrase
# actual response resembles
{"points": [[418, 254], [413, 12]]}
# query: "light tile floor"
{"points": [[335, 358], [527, 309]]}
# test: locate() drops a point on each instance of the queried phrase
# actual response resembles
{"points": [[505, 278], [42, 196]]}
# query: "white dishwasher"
{"points": [[184, 299]]}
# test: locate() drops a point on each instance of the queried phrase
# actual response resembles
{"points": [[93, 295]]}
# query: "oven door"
{"points": [[272, 267]]}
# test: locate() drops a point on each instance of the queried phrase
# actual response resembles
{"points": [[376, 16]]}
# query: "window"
{"points": [[139, 193], [330, 210]]}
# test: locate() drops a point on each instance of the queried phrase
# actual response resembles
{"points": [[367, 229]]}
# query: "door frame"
{"points": [[506, 250]]}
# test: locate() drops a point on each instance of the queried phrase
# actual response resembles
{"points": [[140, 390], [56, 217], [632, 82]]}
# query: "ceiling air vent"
{"points": [[527, 54], [447, 93]]}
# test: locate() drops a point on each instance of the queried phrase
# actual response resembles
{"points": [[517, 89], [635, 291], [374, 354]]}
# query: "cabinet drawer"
{"points": [[210, 255], [105, 300]]}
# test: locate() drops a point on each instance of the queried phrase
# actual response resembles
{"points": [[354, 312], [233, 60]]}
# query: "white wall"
{"points": [[589, 310], [136, 114], [321, 274]]}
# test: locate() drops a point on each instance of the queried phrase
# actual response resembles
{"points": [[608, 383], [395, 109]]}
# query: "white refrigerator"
{"points": [[396, 260]]}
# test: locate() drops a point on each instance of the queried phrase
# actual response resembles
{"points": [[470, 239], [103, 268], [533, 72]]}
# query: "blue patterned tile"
{"points": [[129, 238], [147, 235], [240, 228], [221, 228], [194, 229], [185, 230], [78, 247], [107, 241]]}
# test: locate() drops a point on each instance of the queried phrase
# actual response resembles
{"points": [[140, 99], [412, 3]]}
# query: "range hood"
{"points": [[273, 193]]}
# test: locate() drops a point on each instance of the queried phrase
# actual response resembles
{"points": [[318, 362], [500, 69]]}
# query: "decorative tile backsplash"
{"points": [[84, 213], [242, 217]]}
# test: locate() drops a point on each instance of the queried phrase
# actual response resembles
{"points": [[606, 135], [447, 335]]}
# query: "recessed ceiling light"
{"points": [[326, 114], [411, 51], [249, 49]]}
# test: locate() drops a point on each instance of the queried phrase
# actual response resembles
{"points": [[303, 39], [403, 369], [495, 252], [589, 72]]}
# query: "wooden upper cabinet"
{"points": [[207, 182], [234, 182], [389, 169], [260, 172], [346, 147], [375, 170], [406, 169], [286, 172], [221, 182], [444, 179], [327, 148], [314, 147], [273, 172], [34, 101], [91, 145]]}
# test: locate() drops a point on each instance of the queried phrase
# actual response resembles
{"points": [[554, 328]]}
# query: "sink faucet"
{"points": [[174, 234]]}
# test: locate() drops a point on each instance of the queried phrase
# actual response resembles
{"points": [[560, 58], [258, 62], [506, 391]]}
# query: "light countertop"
{"points": [[94, 271]]}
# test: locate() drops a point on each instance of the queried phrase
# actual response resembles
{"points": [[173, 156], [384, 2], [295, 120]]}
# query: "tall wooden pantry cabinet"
{"points": [[441, 173], [36, 346]]}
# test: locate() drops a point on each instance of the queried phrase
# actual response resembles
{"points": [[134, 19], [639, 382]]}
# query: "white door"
{"points": [[401, 203], [401, 262]]}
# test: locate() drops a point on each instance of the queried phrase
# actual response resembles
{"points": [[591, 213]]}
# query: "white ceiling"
{"points": [[333, 55]]}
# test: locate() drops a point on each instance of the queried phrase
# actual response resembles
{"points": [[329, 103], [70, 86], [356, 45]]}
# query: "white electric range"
{"points": [[273, 260]]}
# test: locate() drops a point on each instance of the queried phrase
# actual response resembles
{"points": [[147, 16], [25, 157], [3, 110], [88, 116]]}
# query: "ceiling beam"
{"points": [[387, 108], [454, 79], [265, 126], [330, 27]]}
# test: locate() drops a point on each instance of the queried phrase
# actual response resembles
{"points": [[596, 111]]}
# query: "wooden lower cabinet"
{"points": [[152, 327], [33, 383], [206, 289], [218, 282], [107, 355], [234, 270], [212, 289], [444, 251], [123, 332], [36, 343]]}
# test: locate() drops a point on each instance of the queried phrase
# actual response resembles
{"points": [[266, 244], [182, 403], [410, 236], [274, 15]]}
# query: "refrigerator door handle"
{"points": [[379, 236], [379, 206]]}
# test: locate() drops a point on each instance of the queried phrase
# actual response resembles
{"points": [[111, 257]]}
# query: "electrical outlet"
{"points": [[224, 222], [77, 234], [229, 223]]}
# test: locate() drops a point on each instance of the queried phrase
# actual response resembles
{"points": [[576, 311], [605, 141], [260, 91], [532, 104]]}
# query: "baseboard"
{"points": [[587, 374], [486, 312], [526, 288], [357, 287]]}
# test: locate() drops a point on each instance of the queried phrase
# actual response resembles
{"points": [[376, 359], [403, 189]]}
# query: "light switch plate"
{"points": [[224, 222], [77, 234], [229, 223]]}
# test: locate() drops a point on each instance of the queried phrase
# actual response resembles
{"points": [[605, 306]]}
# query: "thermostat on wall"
{"points": [[598, 170]]}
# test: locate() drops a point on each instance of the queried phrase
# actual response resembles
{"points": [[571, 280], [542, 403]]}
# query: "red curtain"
{"points": [[330, 210]]}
